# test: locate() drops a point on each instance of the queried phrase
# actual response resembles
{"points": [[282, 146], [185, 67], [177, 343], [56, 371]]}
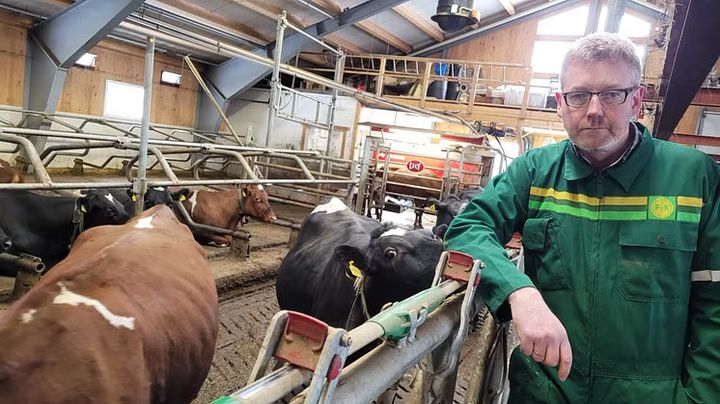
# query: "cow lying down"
{"points": [[334, 247], [129, 316]]}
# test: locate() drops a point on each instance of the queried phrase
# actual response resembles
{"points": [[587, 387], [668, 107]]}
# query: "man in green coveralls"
{"points": [[621, 234]]}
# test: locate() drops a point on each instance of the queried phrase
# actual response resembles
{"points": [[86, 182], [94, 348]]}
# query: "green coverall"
{"points": [[628, 259]]}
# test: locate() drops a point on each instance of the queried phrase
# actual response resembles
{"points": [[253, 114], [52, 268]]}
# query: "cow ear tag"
{"points": [[182, 197], [353, 272], [134, 198], [432, 208], [82, 209]]}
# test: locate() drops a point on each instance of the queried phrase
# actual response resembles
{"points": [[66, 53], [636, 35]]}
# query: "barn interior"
{"points": [[381, 104]]}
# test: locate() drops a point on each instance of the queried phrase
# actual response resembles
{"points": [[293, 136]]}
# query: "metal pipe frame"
{"points": [[275, 89], [427, 339], [39, 171], [140, 186], [205, 227], [164, 183]]}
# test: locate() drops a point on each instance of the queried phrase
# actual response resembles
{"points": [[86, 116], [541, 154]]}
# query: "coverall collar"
{"points": [[625, 172]]}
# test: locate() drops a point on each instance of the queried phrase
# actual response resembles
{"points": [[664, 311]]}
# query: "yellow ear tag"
{"points": [[82, 209], [134, 198], [432, 208], [354, 272], [182, 198]]}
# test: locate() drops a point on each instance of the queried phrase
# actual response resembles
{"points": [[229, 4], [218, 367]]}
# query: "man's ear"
{"points": [[637, 100], [181, 195], [352, 260], [559, 101]]}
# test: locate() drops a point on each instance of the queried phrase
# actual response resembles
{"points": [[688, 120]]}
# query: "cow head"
{"points": [[100, 208], [445, 212], [254, 202], [396, 264], [161, 196]]}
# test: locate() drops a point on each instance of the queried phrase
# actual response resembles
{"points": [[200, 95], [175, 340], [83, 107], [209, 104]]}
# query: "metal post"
{"points": [[275, 90], [339, 63], [140, 186], [364, 168]]}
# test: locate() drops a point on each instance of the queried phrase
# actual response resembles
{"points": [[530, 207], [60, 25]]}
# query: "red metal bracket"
{"points": [[459, 267], [302, 341]]}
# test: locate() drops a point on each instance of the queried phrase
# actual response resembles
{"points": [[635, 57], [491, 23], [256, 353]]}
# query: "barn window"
{"points": [[123, 100]]}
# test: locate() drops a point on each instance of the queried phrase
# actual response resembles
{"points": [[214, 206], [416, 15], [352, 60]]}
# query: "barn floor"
{"points": [[247, 303]]}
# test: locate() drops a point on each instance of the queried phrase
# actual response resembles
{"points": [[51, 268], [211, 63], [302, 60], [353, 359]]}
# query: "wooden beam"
{"points": [[420, 22], [349, 47], [507, 6], [204, 16], [380, 33], [330, 6]]}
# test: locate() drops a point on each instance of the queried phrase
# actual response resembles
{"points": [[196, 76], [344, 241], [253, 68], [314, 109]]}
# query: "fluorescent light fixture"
{"points": [[170, 78], [87, 60]]}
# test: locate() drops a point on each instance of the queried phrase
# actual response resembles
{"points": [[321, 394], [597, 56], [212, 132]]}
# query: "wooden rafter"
{"points": [[380, 33], [420, 22], [507, 6], [195, 12], [349, 47]]}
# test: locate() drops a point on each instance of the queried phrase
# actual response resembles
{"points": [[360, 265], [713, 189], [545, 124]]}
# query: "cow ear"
{"points": [[352, 260], [83, 203], [439, 231], [181, 195]]}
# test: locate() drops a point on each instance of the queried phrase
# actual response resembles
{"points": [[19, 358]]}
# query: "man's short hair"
{"points": [[603, 47]]}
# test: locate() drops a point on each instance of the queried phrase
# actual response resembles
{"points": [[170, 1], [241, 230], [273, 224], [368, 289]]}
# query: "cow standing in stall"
{"points": [[131, 315], [344, 267], [8, 174], [225, 210], [46, 226]]}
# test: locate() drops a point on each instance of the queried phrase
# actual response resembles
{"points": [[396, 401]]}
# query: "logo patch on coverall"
{"points": [[661, 207]]}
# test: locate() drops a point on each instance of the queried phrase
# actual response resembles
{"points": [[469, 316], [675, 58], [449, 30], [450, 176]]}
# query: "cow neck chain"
{"points": [[78, 222], [359, 295], [241, 206]]}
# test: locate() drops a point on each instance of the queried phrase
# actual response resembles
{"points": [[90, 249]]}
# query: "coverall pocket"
{"points": [[543, 261], [655, 260]]}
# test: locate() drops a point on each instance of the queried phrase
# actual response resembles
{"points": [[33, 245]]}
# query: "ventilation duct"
{"points": [[454, 15]]}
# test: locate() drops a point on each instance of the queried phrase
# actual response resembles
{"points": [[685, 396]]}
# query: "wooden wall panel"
{"points": [[508, 45], [13, 43], [84, 89]]}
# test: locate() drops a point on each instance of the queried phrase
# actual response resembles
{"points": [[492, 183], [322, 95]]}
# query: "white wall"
{"points": [[250, 116]]}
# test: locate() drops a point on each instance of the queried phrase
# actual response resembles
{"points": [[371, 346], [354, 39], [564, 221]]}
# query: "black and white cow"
{"points": [[315, 276], [45, 226], [153, 196], [451, 206]]}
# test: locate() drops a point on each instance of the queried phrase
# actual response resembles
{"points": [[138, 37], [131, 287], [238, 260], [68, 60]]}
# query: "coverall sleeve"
{"points": [[483, 228], [702, 358]]}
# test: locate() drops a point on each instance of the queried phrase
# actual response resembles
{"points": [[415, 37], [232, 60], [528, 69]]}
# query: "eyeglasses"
{"points": [[606, 97]]}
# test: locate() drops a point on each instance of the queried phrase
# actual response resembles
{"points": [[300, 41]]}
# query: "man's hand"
{"points": [[542, 336]]}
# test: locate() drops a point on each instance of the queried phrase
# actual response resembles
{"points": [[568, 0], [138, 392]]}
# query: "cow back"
{"points": [[130, 315]]}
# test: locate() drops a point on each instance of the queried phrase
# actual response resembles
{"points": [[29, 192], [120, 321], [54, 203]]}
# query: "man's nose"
{"points": [[594, 107]]}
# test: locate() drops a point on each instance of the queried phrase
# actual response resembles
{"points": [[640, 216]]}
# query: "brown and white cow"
{"points": [[8, 174], [131, 315], [225, 209]]}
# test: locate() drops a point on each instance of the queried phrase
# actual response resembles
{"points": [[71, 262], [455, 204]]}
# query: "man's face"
{"points": [[597, 128]]}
